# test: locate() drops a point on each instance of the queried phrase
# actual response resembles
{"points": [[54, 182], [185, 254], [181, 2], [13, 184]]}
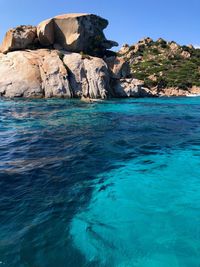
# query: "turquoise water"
{"points": [[111, 184]]}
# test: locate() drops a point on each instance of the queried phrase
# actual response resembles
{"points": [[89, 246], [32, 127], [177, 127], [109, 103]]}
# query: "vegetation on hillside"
{"points": [[163, 64]]}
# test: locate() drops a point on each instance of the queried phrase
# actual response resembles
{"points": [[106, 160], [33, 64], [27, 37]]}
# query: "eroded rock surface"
{"points": [[38, 73], [68, 56], [45, 32], [118, 66], [19, 38], [77, 75], [131, 87], [52, 73], [19, 75], [89, 76], [172, 92], [98, 78], [71, 32], [75, 33]]}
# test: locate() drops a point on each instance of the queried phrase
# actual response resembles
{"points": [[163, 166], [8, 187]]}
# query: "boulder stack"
{"points": [[65, 56], [50, 73], [71, 32]]}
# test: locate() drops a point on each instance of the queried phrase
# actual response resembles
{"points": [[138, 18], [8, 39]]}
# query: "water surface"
{"points": [[109, 184]]}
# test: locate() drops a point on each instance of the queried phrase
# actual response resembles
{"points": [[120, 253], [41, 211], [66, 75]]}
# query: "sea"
{"points": [[112, 183]]}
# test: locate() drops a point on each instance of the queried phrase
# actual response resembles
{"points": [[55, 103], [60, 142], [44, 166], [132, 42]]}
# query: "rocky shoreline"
{"points": [[68, 56]]}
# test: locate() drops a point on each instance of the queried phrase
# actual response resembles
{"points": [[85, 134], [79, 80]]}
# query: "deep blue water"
{"points": [[109, 184]]}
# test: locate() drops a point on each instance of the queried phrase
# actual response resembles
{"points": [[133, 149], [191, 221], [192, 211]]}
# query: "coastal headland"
{"points": [[68, 56]]}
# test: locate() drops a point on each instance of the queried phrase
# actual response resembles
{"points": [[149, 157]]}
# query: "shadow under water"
{"points": [[114, 183]]}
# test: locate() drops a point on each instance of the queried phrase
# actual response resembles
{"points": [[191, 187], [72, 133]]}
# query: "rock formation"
{"points": [[33, 74], [88, 76], [72, 32], [131, 87], [19, 76], [56, 59], [50, 73], [21, 37], [118, 66], [68, 56], [75, 33]]}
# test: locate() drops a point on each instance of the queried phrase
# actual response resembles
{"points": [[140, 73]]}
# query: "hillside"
{"points": [[163, 64]]}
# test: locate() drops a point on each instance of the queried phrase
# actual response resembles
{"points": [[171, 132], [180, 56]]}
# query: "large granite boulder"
{"points": [[38, 73], [71, 32], [19, 38], [75, 33], [98, 78], [77, 74], [88, 76], [45, 32], [54, 75], [19, 76]]}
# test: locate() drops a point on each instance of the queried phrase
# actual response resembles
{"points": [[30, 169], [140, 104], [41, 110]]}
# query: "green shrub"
{"points": [[171, 69]]}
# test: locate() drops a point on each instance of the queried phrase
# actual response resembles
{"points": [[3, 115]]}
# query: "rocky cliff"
{"points": [[68, 56]]}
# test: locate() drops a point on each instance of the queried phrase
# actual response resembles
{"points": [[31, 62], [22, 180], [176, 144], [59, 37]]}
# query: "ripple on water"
{"points": [[107, 184]]}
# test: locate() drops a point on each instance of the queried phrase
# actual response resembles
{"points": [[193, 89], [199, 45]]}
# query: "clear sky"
{"points": [[129, 20]]}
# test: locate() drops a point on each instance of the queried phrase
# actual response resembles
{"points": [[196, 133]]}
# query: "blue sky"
{"points": [[129, 20]]}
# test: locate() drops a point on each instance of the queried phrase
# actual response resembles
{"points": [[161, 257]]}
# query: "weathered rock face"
{"points": [[185, 54], [124, 49], [173, 91], [54, 75], [194, 90], [51, 73], [38, 73], [68, 57], [75, 33], [131, 87], [146, 41], [19, 76], [174, 46], [119, 68], [45, 32], [77, 74], [19, 38], [98, 78], [71, 32], [88, 76]]}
